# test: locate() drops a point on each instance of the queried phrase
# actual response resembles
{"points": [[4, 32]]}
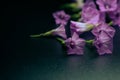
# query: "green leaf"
{"points": [[71, 6]]}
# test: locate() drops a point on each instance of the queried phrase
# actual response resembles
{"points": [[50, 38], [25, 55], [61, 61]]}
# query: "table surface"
{"points": [[44, 59]]}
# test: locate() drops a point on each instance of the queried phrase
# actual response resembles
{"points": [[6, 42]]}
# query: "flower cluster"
{"points": [[93, 18]]}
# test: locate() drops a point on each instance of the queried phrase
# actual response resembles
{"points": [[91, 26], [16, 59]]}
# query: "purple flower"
{"points": [[90, 14], [60, 31], [117, 21], [80, 27], [90, 3], [103, 27], [107, 5], [115, 15], [75, 45], [103, 43], [103, 38], [61, 17]]}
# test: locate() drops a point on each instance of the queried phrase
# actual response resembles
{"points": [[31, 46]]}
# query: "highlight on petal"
{"points": [[80, 3], [80, 27]]}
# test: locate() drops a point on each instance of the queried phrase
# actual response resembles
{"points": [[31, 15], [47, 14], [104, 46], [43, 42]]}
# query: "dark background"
{"points": [[25, 58]]}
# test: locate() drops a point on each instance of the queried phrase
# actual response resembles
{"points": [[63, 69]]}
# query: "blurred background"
{"points": [[25, 58]]}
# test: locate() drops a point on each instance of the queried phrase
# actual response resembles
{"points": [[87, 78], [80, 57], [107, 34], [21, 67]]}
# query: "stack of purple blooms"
{"points": [[92, 19]]}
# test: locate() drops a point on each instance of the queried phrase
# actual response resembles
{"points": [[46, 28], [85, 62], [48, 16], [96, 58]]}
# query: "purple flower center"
{"points": [[118, 15], [99, 45], [72, 44], [107, 6], [62, 17]]}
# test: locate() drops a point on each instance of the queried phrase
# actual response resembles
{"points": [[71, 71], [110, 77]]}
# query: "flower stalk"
{"points": [[42, 34]]}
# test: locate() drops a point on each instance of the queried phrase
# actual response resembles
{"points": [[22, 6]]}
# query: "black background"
{"points": [[24, 58]]}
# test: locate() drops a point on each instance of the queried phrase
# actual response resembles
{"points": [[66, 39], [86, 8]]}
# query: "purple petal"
{"points": [[60, 31], [90, 14], [104, 27], [107, 5], [103, 38], [75, 44], [61, 18]]}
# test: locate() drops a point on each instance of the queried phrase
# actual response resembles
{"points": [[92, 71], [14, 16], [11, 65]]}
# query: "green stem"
{"points": [[110, 23], [37, 35], [61, 40], [89, 41], [90, 26], [42, 34]]}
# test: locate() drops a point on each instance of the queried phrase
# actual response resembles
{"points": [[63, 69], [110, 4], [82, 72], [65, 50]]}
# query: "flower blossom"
{"points": [[80, 27], [90, 14], [115, 15], [61, 18], [103, 38], [60, 31], [75, 45], [107, 5]]}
